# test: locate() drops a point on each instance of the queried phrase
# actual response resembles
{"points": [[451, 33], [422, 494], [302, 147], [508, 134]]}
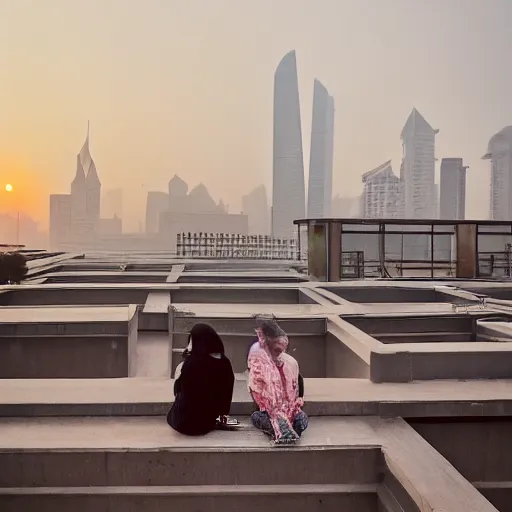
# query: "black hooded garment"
{"points": [[204, 389]]}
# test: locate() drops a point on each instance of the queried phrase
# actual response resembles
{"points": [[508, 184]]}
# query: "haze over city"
{"points": [[186, 88]]}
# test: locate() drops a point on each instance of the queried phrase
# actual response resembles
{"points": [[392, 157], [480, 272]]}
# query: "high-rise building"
{"points": [[452, 199], [178, 191], [112, 204], [499, 152], [381, 193], [156, 203], [418, 167], [255, 206], [83, 203], [60, 219], [92, 183], [321, 154], [288, 195], [329, 148]]}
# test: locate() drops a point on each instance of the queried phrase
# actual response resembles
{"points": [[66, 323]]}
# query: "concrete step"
{"points": [[26, 398], [175, 466], [249, 498]]}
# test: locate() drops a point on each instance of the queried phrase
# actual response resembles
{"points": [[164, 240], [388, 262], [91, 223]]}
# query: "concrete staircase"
{"points": [[138, 478]]}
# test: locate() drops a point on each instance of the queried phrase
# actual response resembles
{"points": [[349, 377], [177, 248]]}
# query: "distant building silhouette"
{"points": [[452, 200], [178, 192], [156, 203], [321, 154], [381, 193], [255, 206], [78, 200], [179, 210], [200, 201], [418, 167], [60, 220], [288, 195], [21, 229], [499, 152], [75, 220]]}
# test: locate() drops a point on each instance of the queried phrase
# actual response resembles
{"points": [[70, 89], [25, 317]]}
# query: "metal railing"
{"points": [[233, 246]]}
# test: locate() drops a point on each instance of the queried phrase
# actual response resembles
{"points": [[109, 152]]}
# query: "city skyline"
{"points": [[148, 117]]}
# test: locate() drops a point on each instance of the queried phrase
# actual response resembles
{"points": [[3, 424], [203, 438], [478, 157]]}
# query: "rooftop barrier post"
{"points": [[466, 235]]}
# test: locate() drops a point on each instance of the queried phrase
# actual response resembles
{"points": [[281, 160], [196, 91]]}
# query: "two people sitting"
{"points": [[204, 385]]}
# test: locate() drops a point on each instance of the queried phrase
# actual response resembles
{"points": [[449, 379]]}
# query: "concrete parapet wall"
{"points": [[307, 340], [479, 448], [249, 295], [106, 348], [76, 296]]}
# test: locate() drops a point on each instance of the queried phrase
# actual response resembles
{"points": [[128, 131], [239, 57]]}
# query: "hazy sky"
{"points": [[185, 87]]}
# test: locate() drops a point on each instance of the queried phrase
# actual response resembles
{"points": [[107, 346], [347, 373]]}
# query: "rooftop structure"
{"points": [[407, 385]]}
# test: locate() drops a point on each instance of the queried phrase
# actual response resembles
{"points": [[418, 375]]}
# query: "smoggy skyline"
{"points": [[174, 87]]}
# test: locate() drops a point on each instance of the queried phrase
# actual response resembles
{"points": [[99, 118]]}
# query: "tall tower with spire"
{"points": [[85, 194], [78, 193], [92, 181]]}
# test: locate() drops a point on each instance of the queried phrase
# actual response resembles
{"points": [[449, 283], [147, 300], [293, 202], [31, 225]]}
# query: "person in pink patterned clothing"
{"points": [[274, 385]]}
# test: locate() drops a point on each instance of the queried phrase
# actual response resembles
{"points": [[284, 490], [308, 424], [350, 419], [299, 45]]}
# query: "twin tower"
{"points": [[288, 195]]}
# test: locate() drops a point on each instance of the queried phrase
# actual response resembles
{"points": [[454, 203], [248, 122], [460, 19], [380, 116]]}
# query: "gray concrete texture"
{"points": [[68, 342], [359, 464], [372, 352]]}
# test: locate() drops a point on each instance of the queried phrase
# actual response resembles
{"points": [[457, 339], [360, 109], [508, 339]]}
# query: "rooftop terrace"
{"points": [[408, 385]]}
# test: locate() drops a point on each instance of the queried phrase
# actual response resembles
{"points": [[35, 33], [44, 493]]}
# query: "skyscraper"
{"points": [[156, 203], [78, 193], [92, 182], [255, 206], [83, 203], [288, 195], [381, 193], [452, 199], [329, 161], [418, 167], [321, 154], [60, 219], [499, 152]]}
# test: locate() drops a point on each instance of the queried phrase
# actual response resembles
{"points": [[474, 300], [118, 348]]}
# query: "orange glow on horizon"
{"points": [[22, 190]]}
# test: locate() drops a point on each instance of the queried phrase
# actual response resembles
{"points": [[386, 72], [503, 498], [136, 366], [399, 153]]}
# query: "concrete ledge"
{"points": [[251, 498], [154, 315], [137, 466], [68, 342], [324, 397], [418, 477]]}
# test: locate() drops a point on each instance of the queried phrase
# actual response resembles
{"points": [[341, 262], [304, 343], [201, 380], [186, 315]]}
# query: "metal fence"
{"points": [[233, 246]]}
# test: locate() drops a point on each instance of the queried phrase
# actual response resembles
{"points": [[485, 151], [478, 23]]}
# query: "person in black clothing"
{"points": [[204, 390]]}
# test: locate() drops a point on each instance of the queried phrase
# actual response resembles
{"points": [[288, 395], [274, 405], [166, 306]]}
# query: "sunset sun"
{"points": [[8, 187]]}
